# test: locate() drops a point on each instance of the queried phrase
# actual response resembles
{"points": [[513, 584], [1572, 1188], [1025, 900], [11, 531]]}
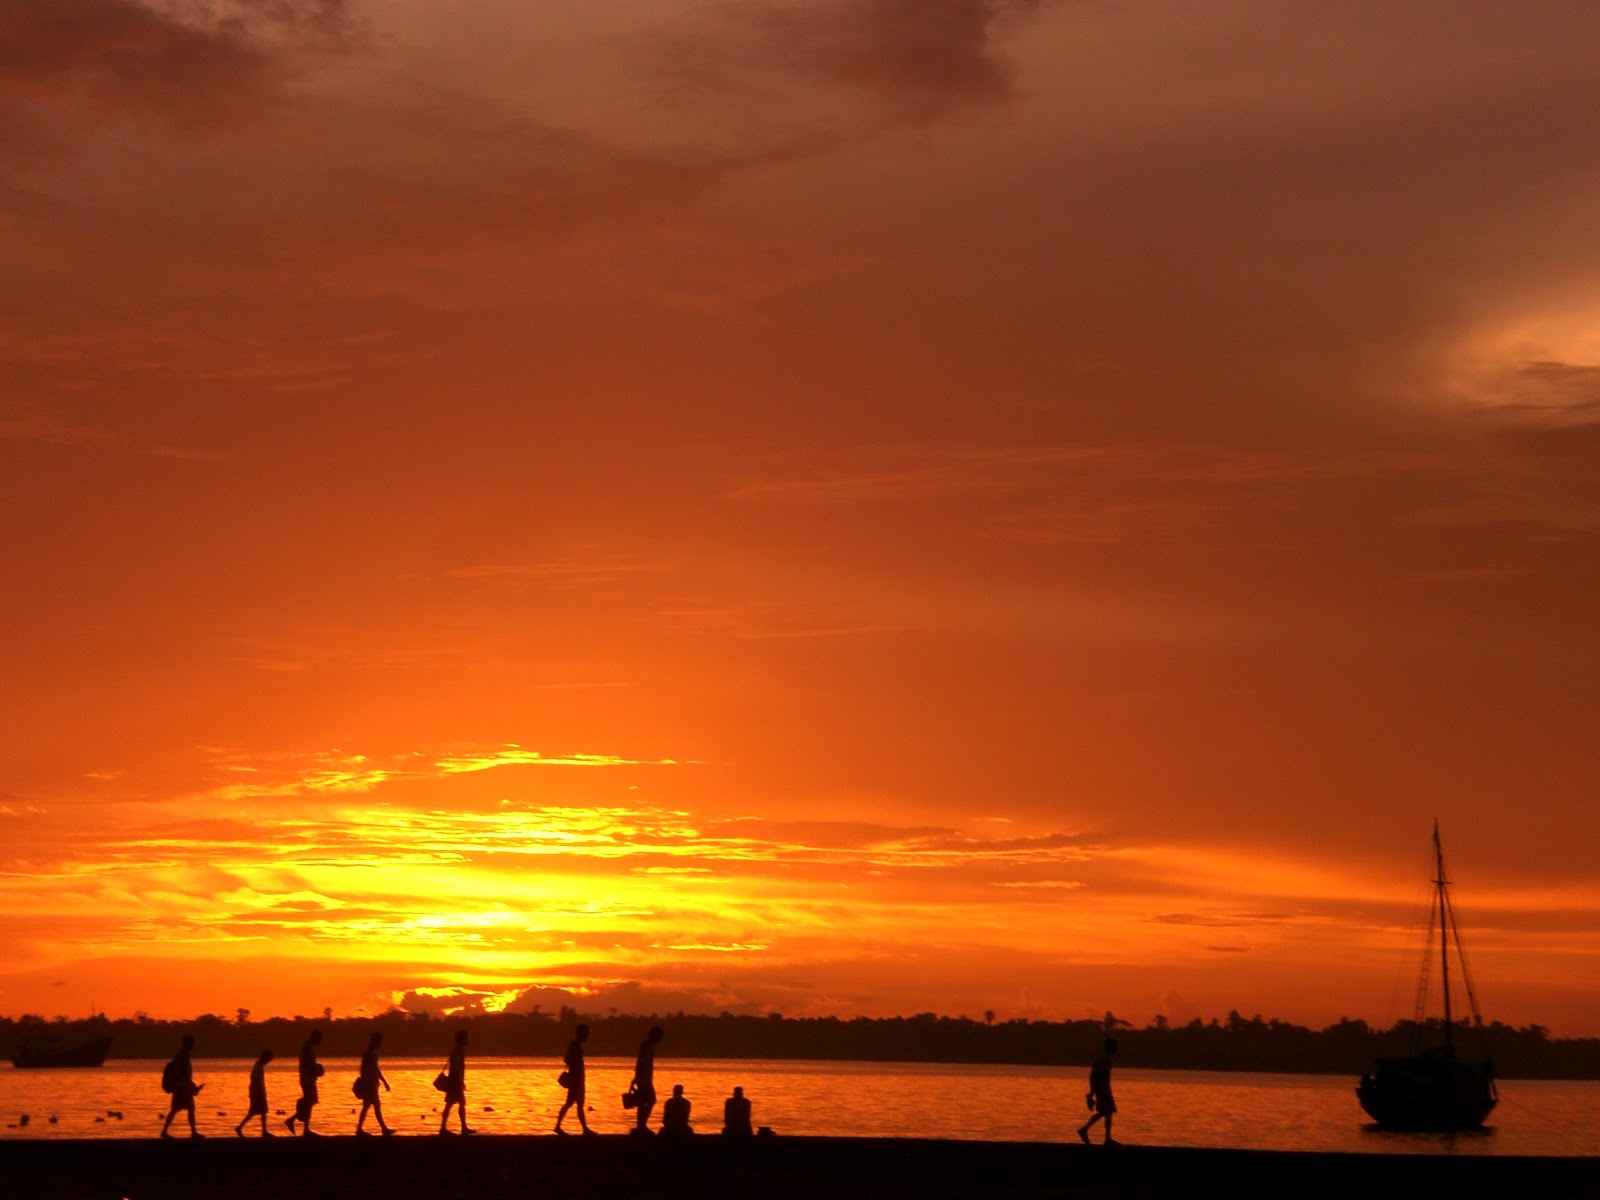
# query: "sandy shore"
{"points": [[616, 1168]]}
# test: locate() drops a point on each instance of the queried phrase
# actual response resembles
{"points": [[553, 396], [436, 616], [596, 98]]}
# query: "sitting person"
{"points": [[675, 1113], [736, 1115]]}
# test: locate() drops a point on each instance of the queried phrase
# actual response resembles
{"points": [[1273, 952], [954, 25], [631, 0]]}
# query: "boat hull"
{"points": [[1432, 1092], [90, 1054]]}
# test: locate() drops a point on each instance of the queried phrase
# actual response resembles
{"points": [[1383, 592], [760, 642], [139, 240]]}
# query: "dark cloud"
{"points": [[917, 58], [445, 1002], [198, 66], [627, 996], [124, 56], [1187, 918], [1562, 390], [822, 834], [928, 54]]}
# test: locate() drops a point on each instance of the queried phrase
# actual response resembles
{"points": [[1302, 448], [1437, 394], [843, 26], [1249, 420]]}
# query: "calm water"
{"points": [[985, 1103]]}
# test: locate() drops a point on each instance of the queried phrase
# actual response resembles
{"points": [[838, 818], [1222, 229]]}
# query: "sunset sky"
{"points": [[826, 506]]}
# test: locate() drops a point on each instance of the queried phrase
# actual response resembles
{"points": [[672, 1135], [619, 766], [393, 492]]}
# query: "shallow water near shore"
{"points": [[972, 1102]]}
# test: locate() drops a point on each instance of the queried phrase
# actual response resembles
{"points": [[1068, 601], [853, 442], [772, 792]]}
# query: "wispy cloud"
{"points": [[907, 473], [79, 435], [562, 573], [1567, 391], [515, 756]]}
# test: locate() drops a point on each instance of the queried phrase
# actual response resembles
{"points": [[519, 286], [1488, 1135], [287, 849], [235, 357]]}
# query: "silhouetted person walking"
{"points": [[310, 1072], [675, 1114], [366, 1087], [577, 1091], [736, 1115], [455, 1085], [1100, 1098], [258, 1094], [177, 1077], [644, 1079]]}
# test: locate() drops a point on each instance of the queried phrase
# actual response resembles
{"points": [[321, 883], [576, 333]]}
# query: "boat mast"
{"points": [[1444, 938]]}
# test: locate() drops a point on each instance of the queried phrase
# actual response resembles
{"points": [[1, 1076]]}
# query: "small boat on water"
{"points": [[53, 1054], [1434, 1088]]}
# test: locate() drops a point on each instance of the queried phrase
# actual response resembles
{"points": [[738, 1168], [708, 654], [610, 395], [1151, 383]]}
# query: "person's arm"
{"points": [[385, 1082]]}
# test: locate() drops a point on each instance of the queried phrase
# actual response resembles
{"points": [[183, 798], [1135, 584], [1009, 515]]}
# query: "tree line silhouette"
{"points": [[1235, 1043]]}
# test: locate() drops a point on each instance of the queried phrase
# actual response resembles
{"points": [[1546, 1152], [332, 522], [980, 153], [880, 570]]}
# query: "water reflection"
{"points": [[986, 1103]]}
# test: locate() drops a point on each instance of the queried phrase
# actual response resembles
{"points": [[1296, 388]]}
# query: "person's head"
{"points": [[1111, 1045], [266, 1056], [316, 1037], [461, 1037], [375, 1042], [677, 1089], [739, 1092], [583, 1033], [655, 1033], [188, 1042]]}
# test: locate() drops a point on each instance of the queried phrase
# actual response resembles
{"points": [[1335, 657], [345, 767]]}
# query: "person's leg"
{"points": [[377, 1111], [562, 1115], [362, 1119], [1083, 1130], [580, 1096], [1109, 1138], [166, 1128], [193, 1132]]}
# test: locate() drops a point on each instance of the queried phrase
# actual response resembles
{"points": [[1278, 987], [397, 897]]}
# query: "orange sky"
{"points": [[821, 505]]}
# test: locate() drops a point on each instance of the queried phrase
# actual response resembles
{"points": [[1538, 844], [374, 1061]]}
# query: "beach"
{"points": [[617, 1166]]}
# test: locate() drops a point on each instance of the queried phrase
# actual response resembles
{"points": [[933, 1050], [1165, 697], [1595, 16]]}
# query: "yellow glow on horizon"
{"points": [[494, 896]]}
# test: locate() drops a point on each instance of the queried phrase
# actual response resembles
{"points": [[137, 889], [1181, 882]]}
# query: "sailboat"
{"points": [[1435, 1088]]}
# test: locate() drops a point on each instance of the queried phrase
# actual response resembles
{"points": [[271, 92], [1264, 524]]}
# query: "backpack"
{"points": [[169, 1076]]}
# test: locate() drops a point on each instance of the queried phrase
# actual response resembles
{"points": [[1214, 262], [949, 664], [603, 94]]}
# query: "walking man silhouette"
{"points": [[258, 1094], [644, 1078], [577, 1091], [455, 1085], [310, 1072], [177, 1077], [1100, 1098], [366, 1087]]}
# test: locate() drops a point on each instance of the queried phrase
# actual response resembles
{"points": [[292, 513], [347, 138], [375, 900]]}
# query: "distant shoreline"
{"points": [[155, 1061], [781, 1168], [1237, 1045]]}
